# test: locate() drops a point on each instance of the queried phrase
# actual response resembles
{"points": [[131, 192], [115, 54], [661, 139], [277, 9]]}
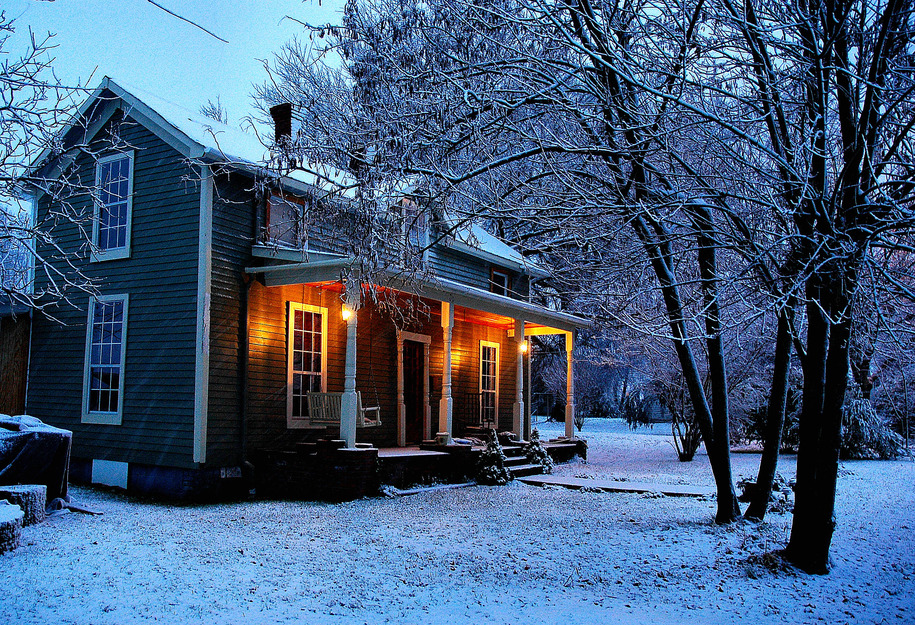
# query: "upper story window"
{"points": [[498, 282], [113, 206], [106, 343], [415, 228], [286, 222]]}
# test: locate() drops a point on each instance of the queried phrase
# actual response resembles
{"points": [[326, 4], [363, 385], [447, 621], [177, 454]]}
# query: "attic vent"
{"points": [[282, 121]]}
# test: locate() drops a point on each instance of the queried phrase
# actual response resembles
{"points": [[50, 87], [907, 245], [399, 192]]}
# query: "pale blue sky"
{"points": [[140, 45]]}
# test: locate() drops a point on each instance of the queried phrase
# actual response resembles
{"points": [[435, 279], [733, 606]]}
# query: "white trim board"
{"points": [[202, 351]]}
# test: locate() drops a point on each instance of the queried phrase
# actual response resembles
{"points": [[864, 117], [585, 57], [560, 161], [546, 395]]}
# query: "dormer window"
{"points": [[286, 222], [498, 282]]}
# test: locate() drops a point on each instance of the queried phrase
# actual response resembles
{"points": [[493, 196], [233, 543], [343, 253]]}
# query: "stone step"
{"points": [[524, 470]]}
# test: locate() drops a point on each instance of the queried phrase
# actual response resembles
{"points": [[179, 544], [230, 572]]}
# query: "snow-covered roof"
{"points": [[198, 137], [476, 240]]}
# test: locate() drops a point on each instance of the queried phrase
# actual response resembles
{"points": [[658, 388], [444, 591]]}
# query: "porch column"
{"points": [[528, 400], [570, 389], [427, 408], [518, 408], [348, 402], [446, 405], [401, 404]]}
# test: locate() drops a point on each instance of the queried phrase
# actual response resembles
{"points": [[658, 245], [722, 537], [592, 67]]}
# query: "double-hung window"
{"points": [[113, 206], [286, 222], [489, 384], [415, 231], [306, 359], [106, 343], [498, 282]]}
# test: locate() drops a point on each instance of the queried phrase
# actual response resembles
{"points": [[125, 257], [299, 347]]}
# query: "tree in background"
{"points": [[34, 106], [752, 153]]}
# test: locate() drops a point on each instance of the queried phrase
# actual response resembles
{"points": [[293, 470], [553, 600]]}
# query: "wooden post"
{"points": [[446, 405], [518, 407], [401, 404], [427, 407], [528, 403], [570, 389], [349, 400]]}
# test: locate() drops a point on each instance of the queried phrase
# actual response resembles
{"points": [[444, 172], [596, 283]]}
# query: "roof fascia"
{"points": [[440, 289]]}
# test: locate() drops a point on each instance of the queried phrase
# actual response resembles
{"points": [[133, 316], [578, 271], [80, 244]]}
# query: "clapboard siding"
{"points": [[460, 268], [267, 358], [376, 371], [233, 234], [160, 277]]}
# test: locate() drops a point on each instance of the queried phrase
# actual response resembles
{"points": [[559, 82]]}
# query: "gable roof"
{"points": [[200, 138]]}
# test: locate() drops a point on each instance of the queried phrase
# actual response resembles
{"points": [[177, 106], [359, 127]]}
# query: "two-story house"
{"points": [[230, 319]]}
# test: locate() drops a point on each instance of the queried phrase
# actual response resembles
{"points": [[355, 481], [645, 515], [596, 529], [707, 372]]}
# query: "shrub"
{"points": [[865, 435]]}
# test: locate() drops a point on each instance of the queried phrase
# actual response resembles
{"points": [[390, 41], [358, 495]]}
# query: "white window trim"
{"points": [[117, 252], [303, 208], [292, 307], [492, 282], [105, 418], [498, 375]]}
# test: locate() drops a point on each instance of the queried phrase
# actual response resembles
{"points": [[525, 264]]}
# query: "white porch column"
{"points": [[446, 405], [570, 389], [348, 403], [401, 404], [518, 407], [528, 400], [427, 408]]}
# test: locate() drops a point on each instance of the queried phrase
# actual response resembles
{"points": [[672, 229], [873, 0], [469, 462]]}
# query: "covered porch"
{"points": [[455, 366]]}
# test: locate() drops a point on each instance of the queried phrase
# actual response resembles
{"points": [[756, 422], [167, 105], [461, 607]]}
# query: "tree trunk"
{"points": [[820, 430], [728, 508], [719, 446], [775, 415]]}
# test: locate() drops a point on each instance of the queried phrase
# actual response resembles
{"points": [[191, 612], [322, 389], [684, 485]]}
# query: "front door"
{"points": [[413, 367]]}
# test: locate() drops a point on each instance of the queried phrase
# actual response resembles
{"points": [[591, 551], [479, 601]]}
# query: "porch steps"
{"points": [[516, 462]]}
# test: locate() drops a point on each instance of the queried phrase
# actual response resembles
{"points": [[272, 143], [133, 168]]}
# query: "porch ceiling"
{"points": [[489, 308]]}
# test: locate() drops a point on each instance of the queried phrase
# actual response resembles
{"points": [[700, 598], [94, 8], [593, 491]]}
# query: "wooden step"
{"points": [[524, 470], [513, 451]]}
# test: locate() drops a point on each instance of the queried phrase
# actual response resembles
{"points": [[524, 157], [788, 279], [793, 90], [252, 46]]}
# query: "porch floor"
{"points": [[410, 451]]}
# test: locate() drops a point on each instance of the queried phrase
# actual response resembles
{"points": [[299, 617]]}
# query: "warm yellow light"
{"points": [[523, 347], [347, 313]]}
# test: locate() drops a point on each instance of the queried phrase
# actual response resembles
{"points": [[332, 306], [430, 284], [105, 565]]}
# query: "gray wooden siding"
{"points": [[460, 268], [233, 234], [161, 279]]}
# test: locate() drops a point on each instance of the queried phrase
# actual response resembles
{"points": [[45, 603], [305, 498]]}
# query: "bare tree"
{"points": [[34, 107], [746, 148]]}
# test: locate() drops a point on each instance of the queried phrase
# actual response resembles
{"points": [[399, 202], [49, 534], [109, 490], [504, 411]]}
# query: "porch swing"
{"points": [[327, 408]]}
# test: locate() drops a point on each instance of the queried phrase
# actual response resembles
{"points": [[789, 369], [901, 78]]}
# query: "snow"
{"points": [[9, 512], [511, 554]]}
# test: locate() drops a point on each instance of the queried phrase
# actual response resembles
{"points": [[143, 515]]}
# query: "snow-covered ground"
{"points": [[513, 554]]}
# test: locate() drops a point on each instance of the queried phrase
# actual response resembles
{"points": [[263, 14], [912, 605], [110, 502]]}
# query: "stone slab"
{"points": [[613, 486]]}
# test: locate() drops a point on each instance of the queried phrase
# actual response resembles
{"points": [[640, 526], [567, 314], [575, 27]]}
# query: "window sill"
{"points": [[114, 254], [102, 418]]}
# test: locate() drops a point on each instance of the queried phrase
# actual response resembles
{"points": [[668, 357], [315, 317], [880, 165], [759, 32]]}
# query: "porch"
{"points": [[326, 470], [454, 361]]}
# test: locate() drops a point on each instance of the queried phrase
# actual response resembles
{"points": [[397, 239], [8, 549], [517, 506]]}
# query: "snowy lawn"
{"points": [[515, 554]]}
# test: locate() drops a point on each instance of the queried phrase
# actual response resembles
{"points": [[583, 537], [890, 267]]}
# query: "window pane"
{"points": [[105, 356], [114, 192]]}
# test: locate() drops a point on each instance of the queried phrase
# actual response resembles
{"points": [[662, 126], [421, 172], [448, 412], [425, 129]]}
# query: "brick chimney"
{"points": [[282, 122]]}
